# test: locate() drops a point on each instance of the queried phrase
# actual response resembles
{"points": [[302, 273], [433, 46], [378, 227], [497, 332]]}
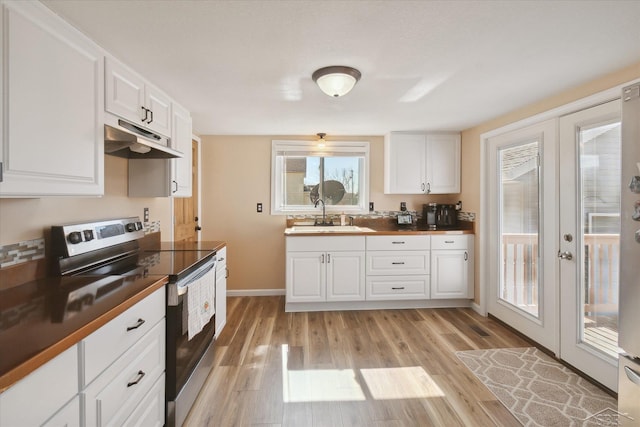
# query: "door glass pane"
{"points": [[600, 228], [519, 226]]}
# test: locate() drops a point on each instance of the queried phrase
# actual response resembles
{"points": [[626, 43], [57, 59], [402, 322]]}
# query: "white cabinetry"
{"points": [[221, 290], [166, 177], [124, 365], [452, 266], [397, 267], [325, 268], [46, 396], [421, 163], [52, 106], [128, 95]]}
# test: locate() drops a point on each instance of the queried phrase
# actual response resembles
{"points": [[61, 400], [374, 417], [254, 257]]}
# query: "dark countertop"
{"points": [[214, 245], [37, 322]]}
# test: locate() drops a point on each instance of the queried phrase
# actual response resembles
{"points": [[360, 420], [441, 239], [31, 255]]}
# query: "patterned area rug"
{"points": [[539, 391]]}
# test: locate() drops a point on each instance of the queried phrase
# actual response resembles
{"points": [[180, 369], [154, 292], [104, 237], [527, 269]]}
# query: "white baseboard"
{"points": [[255, 292]]}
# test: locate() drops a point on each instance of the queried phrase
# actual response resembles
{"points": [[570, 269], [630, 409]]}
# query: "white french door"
{"points": [[523, 228], [589, 245]]}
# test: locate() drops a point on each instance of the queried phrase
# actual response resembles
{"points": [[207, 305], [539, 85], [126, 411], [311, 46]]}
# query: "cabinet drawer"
{"points": [[118, 391], [150, 412], [398, 262], [401, 242], [39, 395], [448, 241], [397, 287], [325, 243], [106, 344]]}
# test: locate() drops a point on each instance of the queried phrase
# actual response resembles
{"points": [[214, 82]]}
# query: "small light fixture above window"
{"points": [[321, 141], [337, 80]]}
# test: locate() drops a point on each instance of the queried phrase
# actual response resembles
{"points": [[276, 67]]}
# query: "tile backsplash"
{"points": [[20, 252]]}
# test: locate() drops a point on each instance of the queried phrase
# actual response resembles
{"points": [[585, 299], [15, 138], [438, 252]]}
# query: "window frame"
{"points": [[311, 148]]}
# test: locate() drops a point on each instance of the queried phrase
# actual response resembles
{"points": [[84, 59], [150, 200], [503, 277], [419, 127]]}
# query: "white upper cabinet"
{"points": [[181, 141], [130, 97], [421, 163], [52, 106]]}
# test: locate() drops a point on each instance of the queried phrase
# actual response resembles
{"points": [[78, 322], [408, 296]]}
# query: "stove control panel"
{"points": [[75, 239]]}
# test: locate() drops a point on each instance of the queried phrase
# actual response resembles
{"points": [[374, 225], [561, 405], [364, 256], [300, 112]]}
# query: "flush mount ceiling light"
{"points": [[336, 80]]}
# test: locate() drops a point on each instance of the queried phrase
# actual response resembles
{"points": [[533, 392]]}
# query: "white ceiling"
{"points": [[244, 67]]}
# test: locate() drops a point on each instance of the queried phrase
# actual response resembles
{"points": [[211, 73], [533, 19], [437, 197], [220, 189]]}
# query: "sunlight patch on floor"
{"points": [[318, 385], [411, 382]]}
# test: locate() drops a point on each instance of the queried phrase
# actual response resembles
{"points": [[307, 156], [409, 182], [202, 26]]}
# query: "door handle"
{"points": [[632, 375], [565, 255]]}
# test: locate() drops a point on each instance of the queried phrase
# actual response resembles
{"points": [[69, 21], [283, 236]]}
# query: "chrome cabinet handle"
{"points": [[139, 323], [139, 377]]}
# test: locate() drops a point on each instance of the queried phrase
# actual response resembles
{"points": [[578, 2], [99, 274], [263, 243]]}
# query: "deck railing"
{"points": [[520, 270]]}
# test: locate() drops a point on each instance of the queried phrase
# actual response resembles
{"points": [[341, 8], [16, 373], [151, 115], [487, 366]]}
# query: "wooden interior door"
{"points": [[185, 209]]}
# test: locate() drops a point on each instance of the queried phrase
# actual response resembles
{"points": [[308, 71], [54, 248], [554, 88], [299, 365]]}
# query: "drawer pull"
{"points": [[398, 263], [141, 375], [139, 323], [399, 288], [397, 243], [466, 256], [449, 241]]}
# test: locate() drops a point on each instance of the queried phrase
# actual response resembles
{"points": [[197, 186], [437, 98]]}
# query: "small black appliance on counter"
{"points": [[438, 216]]}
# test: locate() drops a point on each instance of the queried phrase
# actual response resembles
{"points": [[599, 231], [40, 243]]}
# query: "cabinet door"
{"points": [[450, 274], [68, 416], [404, 171], [124, 92], [39, 395], [345, 276], [306, 276], [159, 104], [181, 141], [221, 290], [443, 164], [52, 107]]}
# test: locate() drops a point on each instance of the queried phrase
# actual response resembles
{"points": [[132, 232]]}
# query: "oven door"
{"points": [[188, 361]]}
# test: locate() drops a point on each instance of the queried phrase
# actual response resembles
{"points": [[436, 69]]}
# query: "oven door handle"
{"points": [[175, 290]]}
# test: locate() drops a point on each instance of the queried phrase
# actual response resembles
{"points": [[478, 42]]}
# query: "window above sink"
{"points": [[303, 174]]}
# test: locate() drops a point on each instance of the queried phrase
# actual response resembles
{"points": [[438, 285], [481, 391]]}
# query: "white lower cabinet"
{"points": [[45, 396], [221, 290], [325, 268], [121, 388], [452, 267], [150, 411], [398, 267]]}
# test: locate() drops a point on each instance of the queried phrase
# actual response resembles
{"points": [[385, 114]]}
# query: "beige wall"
{"points": [[26, 219], [471, 137], [236, 174]]}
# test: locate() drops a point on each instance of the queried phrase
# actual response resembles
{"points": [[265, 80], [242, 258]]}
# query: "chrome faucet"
{"points": [[324, 215]]}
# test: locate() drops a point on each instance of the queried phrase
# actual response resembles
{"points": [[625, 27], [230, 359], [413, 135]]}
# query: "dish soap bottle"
{"points": [[343, 219]]}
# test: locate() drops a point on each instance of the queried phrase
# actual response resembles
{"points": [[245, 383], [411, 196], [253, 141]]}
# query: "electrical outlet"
{"points": [[370, 206], [403, 206], [259, 207], [146, 215]]}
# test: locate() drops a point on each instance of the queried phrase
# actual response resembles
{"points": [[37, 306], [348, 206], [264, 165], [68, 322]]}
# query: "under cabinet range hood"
{"points": [[133, 142]]}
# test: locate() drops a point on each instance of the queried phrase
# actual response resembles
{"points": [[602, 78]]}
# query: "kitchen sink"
{"points": [[329, 229]]}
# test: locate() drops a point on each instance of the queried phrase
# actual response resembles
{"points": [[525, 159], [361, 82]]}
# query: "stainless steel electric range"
{"points": [[108, 249]]}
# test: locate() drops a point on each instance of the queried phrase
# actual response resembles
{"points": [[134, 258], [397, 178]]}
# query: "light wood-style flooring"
{"points": [[349, 368]]}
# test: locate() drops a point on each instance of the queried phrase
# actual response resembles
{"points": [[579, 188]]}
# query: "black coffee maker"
{"points": [[446, 216]]}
